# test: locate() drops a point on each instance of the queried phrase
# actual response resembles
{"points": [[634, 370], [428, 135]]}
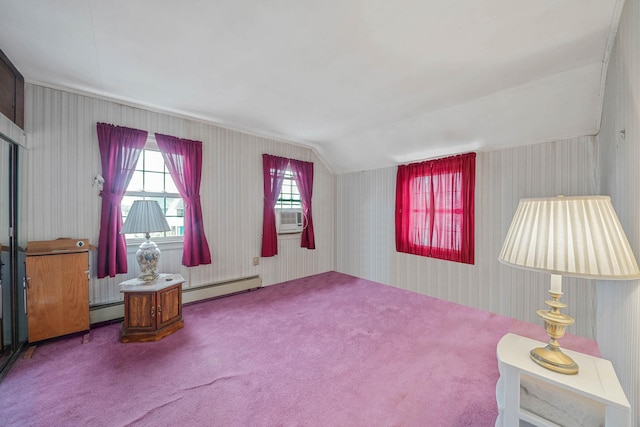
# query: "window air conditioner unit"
{"points": [[289, 221]]}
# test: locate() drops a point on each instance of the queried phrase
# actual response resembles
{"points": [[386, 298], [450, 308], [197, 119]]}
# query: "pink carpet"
{"points": [[326, 350]]}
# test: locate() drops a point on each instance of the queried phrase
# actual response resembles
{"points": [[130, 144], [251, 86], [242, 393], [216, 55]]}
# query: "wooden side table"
{"points": [[529, 393], [152, 310]]}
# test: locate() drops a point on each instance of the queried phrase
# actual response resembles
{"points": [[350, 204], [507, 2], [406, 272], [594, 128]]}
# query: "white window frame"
{"points": [[288, 176], [152, 145]]}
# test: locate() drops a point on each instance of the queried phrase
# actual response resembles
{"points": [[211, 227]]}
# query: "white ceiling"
{"points": [[367, 83]]}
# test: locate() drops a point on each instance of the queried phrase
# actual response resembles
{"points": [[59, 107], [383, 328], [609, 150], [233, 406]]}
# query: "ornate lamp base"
{"points": [[554, 360], [147, 256], [555, 323]]}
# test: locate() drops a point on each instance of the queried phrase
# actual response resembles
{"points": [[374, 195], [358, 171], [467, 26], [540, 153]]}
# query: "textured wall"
{"points": [[62, 158], [619, 302], [366, 245]]}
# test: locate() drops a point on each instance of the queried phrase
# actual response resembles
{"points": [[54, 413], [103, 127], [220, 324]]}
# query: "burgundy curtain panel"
{"points": [[273, 169], [183, 158], [435, 208], [120, 148], [303, 175]]}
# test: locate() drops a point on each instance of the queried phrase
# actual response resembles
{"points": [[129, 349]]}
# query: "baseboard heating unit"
{"points": [[113, 311]]}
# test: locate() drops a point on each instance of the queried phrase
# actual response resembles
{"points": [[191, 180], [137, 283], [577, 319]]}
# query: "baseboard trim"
{"points": [[106, 312], [113, 311]]}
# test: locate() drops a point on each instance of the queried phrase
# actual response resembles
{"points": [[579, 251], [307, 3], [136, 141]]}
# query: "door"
{"points": [[6, 291], [140, 309], [12, 317], [169, 305]]}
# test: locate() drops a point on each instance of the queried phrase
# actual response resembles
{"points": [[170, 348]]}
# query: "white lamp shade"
{"points": [[145, 216], [570, 236]]}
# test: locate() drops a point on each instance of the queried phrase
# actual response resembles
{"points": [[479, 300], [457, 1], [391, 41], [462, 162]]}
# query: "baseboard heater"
{"points": [[113, 311]]}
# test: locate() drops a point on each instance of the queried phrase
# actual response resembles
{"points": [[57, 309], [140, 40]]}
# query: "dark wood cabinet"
{"points": [[152, 310], [11, 91]]}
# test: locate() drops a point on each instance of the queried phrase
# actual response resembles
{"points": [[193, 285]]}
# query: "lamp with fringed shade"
{"points": [[570, 236]]}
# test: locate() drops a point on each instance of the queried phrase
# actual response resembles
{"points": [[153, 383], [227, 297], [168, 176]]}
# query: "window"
{"points": [[274, 169], [289, 197], [152, 181], [423, 205], [435, 208]]}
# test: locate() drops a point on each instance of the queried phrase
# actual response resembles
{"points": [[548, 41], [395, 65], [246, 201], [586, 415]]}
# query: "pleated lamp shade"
{"points": [[570, 236], [145, 216]]}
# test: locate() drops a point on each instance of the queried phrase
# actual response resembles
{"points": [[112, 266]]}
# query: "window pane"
{"points": [[126, 203], [140, 163], [170, 186], [153, 161], [153, 182], [175, 216], [136, 183], [175, 207], [289, 196], [434, 221], [177, 226]]}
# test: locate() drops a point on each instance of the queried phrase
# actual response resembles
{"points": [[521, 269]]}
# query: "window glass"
{"points": [[152, 181], [137, 181], [153, 161], [435, 208], [289, 196]]}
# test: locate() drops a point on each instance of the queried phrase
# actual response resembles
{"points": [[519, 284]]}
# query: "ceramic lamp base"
{"points": [[147, 256]]}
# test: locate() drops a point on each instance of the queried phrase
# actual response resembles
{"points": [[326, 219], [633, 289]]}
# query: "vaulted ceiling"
{"points": [[366, 83]]}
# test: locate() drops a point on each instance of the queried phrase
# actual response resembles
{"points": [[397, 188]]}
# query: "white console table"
{"points": [[530, 395]]}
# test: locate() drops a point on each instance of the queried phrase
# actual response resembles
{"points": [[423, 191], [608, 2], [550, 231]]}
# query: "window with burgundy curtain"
{"points": [[303, 175], [435, 208], [273, 169], [183, 158], [120, 148]]}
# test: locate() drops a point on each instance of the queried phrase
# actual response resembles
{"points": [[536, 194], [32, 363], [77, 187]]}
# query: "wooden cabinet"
{"points": [[169, 308], [139, 309], [11, 91], [57, 288], [530, 395], [152, 310]]}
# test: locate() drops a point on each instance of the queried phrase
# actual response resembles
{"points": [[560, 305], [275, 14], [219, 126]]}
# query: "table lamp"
{"points": [[145, 216], [567, 236]]}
